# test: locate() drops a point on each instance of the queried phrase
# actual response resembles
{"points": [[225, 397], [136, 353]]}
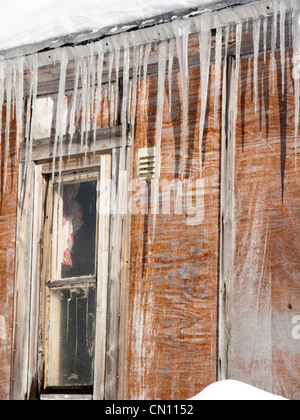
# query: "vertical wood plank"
{"points": [[35, 283], [113, 322], [226, 215], [125, 281], [102, 280], [19, 390]]}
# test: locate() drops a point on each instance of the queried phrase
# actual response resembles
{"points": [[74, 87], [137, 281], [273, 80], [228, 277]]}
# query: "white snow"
{"points": [[24, 23], [231, 390]]}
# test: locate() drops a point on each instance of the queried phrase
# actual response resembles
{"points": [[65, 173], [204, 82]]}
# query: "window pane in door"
{"points": [[71, 337], [76, 230]]}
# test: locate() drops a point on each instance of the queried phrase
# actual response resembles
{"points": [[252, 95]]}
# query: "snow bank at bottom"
{"points": [[230, 390]]}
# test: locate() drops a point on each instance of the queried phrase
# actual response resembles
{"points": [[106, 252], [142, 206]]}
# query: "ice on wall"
{"points": [[122, 53]]}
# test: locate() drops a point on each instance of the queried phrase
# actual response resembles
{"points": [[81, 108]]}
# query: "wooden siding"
{"points": [[265, 288], [8, 217], [171, 323], [173, 286]]}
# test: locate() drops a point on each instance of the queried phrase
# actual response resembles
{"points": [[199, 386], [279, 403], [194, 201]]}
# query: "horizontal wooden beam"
{"points": [[106, 139]]}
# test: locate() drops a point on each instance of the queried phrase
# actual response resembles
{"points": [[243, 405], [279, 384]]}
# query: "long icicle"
{"points": [[203, 24], [98, 91], [282, 42], [9, 79], [19, 95], [256, 39], [218, 64], [274, 40], [296, 60], [181, 31], [59, 114], [72, 128], [239, 32], [162, 62], [2, 84], [170, 70], [124, 116]]}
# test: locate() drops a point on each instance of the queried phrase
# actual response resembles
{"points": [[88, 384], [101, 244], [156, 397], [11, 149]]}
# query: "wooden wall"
{"points": [[172, 325], [265, 288], [173, 286], [8, 217]]}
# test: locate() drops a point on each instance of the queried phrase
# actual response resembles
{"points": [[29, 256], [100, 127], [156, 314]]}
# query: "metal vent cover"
{"points": [[146, 163]]}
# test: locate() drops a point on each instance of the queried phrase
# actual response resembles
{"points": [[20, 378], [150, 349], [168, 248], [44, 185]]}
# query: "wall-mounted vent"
{"points": [[146, 163]]}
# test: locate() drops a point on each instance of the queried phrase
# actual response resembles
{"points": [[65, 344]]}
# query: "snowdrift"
{"points": [[234, 391]]}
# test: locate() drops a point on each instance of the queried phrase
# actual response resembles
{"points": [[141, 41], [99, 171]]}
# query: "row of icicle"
{"points": [[86, 101]]}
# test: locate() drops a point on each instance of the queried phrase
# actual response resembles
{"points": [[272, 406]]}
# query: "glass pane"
{"points": [[71, 337], [76, 233]]}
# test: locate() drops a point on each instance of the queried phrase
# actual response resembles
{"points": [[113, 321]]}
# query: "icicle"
{"points": [[72, 128], [296, 60], [218, 63], [256, 39], [282, 42], [181, 31], [14, 82], [88, 104], [59, 114], [140, 65], [111, 57], [99, 90], [146, 59], [170, 70], [19, 100], [124, 105], [84, 100], [160, 102], [31, 108], [162, 61], [204, 32], [239, 32], [117, 70], [274, 40], [265, 30], [2, 79], [92, 89], [133, 101], [9, 79]]}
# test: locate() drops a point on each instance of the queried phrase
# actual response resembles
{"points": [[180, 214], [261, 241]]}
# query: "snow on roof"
{"points": [[234, 391], [31, 25]]}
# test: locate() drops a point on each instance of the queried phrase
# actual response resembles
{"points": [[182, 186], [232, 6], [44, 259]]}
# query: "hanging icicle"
{"points": [[99, 90], [239, 33], [203, 24], [31, 109], [59, 130], [274, 40], [9, 81], [181, 31], [296, 59], [256, 39], [124, 116], [162, 61], [85, 104], [282, 42], [218, 64], [170, 70], [19, 98]]}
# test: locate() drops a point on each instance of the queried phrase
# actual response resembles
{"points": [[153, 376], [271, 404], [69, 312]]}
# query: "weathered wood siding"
{"points": [[265, 287], [8, 217], [173, 285]]}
